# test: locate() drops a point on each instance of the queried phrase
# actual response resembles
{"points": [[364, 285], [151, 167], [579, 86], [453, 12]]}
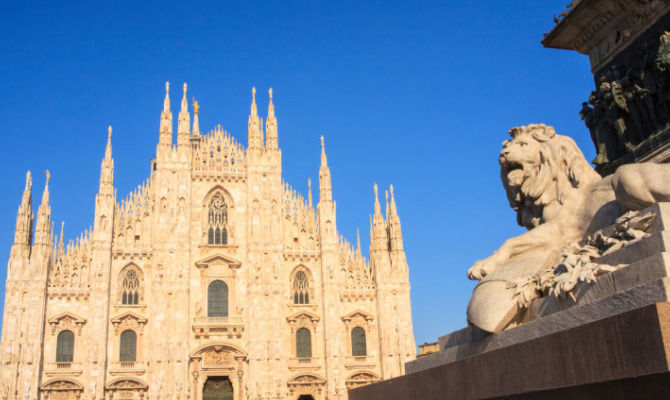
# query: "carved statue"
{"points": [[560, 199], [617, 109], [631, 102], [662, 61]]}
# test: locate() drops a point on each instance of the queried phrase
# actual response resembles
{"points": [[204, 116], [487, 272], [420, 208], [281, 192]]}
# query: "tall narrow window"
{"points": [[303, 343], [130, 285], [128, 348], [300, 288], [217, 299], [217, 221], [65, 347], [358, 345]]}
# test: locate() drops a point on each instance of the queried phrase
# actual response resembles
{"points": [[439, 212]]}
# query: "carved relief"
{"points": [[218, 357], [306, 384], [66, 321], [61, 390], [127, 388], [129, 321], [361, 379]]}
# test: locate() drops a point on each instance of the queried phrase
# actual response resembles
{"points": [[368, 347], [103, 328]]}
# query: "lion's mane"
{"points": [[562, 168]]}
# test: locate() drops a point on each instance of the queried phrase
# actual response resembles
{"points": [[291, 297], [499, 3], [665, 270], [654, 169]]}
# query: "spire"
{"points": [[271, 106], [358, 243], [60, 242], [184, 102], [255, 134], [183, 129], [108, 149], [27, 198], [377, 206], [24, 216], [45, 194], [395, 232], [324, 160], [43, 226], [394, 210], [309, 192], [379, 233], [271, 126], [325, 188], [165, 137], [388, 209], [166, 102], [107, 167], [196, 123]]}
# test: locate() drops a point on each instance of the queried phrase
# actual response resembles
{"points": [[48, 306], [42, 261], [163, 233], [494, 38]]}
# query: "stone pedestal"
{"points": [[624, 356], [612, 340]]}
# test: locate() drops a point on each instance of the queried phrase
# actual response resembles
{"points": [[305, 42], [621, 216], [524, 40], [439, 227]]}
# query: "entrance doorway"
{"points": [[217, 388], [306, 397]]}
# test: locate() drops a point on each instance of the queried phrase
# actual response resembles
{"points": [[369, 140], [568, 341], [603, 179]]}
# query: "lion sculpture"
{"points": [[560, 199]]}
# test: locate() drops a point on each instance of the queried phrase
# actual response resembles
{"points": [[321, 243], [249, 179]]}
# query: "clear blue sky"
{"points": [[418, 94]]}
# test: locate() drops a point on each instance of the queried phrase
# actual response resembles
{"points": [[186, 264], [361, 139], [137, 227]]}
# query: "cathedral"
{"points": [[212, 279]]}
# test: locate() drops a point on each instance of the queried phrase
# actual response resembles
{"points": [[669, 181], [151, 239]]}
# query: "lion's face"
{"points": [[539, 169], [519, 159]]}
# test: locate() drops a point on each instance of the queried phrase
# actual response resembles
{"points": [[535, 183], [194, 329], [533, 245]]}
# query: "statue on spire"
{"points": [[271, 140], [166, 102]]}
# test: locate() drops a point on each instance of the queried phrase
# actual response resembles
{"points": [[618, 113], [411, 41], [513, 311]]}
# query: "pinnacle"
{"points": [[29, 181], [184, 102], [166, 102], [324, 160]]}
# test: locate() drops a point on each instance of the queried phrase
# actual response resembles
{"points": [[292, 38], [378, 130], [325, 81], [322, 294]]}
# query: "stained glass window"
{"points": [[217, 221], [130, 287], [300, 288]]}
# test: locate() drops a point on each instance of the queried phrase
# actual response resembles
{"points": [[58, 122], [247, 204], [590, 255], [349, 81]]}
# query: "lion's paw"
{"points": [[478, 270], [484, 267]]}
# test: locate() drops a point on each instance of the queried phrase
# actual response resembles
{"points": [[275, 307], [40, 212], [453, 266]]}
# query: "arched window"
{"points": [[217, 221], [128, 347], [65, 347], [303, 343], [130, 285], [217, 299], [300, 288], [358, 345]]}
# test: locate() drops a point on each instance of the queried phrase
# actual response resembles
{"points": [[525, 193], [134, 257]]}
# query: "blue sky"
{"points": [[418, 94]]}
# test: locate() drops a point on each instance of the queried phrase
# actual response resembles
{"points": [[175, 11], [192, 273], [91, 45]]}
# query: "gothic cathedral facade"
{"points": [[213, 279]]}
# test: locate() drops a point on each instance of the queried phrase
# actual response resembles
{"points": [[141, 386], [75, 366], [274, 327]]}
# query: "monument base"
{"points": [[622, 356]]}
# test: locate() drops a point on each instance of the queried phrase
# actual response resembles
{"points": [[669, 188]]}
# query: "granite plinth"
{"points": [[621, 356]]}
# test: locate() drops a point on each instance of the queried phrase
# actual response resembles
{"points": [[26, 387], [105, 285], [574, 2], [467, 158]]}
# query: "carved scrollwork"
{"points": [[66, 321], [129, 320]]}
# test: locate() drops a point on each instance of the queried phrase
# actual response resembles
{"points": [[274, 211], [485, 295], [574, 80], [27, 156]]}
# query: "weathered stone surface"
{"points": [[561, 200], [628, 351], [472, 341]]}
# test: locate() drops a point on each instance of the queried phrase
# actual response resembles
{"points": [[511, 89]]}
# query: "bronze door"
{"points": [[217, 388]]}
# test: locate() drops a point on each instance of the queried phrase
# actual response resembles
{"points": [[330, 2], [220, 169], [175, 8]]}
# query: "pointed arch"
{"points": [[131, 285], [216, 218], [301, 285]]}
